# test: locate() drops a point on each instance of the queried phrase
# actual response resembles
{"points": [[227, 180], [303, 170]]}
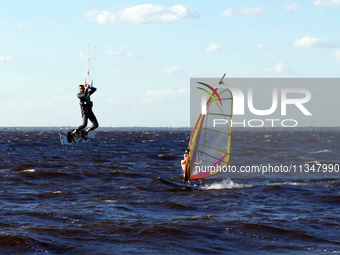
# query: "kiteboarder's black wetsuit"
{"points": [[86, 109]]}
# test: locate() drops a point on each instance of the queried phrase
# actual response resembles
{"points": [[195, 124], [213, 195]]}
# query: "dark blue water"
{"points": [[103, 197]]}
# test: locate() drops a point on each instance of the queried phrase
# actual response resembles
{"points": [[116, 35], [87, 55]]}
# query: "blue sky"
{"points": [[145, 53]]}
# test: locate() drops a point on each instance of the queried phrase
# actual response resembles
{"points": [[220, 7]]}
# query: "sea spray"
{"points": [[225, 184]]}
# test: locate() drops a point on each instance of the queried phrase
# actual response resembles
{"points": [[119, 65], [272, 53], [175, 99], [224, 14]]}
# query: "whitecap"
{"points": [[322, 151], [313, 162], [111, 201], [286, 183], [28, 170]]}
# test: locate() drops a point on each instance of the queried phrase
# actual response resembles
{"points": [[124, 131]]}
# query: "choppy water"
{"points": [[103, 197]]}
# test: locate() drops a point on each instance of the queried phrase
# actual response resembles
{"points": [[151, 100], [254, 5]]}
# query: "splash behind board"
{"points": [[76, 138]]}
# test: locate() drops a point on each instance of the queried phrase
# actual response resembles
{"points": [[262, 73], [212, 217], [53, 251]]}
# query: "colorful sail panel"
{"points": [[210, 139]]}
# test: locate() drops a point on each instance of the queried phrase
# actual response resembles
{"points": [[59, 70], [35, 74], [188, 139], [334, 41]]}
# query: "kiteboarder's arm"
{"points": [[92, 90]]}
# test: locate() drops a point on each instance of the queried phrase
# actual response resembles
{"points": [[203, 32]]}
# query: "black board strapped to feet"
{"points": [[178, 185], [78, 137]]}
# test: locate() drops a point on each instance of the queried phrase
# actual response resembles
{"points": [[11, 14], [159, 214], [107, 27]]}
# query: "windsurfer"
{"points": [[184, 164], [86, 108]]}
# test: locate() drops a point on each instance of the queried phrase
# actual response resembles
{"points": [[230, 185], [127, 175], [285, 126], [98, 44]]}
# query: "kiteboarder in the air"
{"points": [[86, 108]]}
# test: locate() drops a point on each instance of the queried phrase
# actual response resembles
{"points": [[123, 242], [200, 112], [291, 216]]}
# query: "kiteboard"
{"points": [[178, 185], [78, 137]]}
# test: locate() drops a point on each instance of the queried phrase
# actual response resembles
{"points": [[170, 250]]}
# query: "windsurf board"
{"points": [[178, 185]]}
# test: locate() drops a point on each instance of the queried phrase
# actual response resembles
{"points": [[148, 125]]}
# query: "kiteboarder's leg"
{"points": [[201, 182], [94, 121], [82, 126]]}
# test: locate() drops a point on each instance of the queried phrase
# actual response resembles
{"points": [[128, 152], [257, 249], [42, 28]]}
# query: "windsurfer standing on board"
{"points": [[86, 108], [184, 163]]}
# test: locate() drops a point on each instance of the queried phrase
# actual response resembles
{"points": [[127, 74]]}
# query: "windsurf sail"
{"points": [[209, 146]]}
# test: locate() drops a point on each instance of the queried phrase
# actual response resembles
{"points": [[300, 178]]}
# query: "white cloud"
{"points": [[7, 58], [321, 3], [337, 55], [309, 42], [145, 13], [120, 52], [280, 68], [170, 69], [251, 11], [244, 11], [228, 12], [291, 7], [263, 46], [21, 27], [213, 47]]}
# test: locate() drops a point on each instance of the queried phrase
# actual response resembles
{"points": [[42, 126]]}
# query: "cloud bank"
{"points": [[146, 13], [322, 3], [309, 42], [244, 11], [280, 68], [7, 58], [291, 7], [337, 55], [213, 47], [170, 69]]}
